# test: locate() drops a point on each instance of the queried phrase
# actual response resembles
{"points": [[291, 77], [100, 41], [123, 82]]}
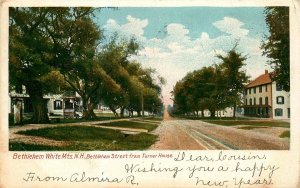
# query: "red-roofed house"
{"points": [[264, 98]]}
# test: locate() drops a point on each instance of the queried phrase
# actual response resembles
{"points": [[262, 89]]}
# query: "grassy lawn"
{"points": [[250, 122], [100, 114], [83, 138], [251, 127], [74, 120], [131, 124], [208, 118], [285, 134], [20, 146]]}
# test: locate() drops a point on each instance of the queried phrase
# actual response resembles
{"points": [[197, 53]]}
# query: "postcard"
{"points": [[150, 93]]}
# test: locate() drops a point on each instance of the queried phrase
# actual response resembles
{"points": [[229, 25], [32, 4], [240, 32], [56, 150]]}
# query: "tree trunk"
{"points": [[88, 109], [234, 110], [212, 113], [131, 111], [122, 111], [40, 112], [114, 111], [85, 113], [139, 113], [202, 113]]}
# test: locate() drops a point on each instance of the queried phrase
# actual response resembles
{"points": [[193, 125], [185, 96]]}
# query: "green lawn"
{"points": [[250, 122], [252, 127], [21, 146], [100, 114], [131, 124], [74, 120], [83, 138], [285, 134], [208, 118]]}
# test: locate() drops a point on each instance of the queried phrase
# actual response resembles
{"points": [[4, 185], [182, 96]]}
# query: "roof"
{"points": [[261, 80]]}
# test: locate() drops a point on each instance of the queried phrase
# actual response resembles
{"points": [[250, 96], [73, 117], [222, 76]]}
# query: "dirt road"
{"points": [[196, 134], [171, 137]]}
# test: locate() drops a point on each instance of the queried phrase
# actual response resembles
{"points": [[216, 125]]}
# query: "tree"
{"points": [[56, 39], [233, 78], [114, 60], [29, 52], [196, 91], [147, 85], [212, 88], [136, 83], [62, 45], [277, 44], [74, 40], [180, 103]]}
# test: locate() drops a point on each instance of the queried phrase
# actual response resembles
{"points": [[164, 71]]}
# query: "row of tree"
{"points": [[213, 88], [52, 50]]}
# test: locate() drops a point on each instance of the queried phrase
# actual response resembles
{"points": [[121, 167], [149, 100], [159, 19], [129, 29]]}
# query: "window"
{"points": [[260, 89], [280, 100], [57, 105], [266, 101], [69, 104], [260, 100], [250, 101], [278, 112], [266, 88], [260, 111], [246, 101], [250, 91], [254, 90], [254, 101], [278, 87]]}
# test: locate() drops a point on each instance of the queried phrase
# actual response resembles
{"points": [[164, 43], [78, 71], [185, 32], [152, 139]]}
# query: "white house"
{"points": [[265, 98]]}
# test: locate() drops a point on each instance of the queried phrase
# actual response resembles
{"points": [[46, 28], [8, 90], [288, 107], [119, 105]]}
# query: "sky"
{"points": [[178, 40]]}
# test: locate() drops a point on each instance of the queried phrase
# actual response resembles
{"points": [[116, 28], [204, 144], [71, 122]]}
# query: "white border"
{"points": [[289, 159]]}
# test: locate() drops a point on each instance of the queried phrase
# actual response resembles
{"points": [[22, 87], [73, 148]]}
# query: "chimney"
{"points": [[266, 72]]}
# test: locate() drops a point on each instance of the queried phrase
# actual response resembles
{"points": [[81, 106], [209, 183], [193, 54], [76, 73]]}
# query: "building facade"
{"points": [[264, 98], [280, 102]]}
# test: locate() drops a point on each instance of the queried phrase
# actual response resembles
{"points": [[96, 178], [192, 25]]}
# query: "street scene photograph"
{"points": [[149, 78]]}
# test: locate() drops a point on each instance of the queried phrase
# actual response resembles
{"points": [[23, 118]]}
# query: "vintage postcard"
{"points": [[150, 94]]}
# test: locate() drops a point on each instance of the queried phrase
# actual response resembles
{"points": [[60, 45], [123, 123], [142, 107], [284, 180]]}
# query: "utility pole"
{"points": [[142, 103]]}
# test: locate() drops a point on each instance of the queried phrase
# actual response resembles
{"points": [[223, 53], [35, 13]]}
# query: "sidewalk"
{"points": [[267, 119]]}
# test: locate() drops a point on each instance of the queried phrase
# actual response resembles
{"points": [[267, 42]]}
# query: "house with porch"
{"points": [[57, 104]]}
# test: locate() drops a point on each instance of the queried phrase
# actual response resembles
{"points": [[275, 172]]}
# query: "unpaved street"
{"points": [[196, 134]]}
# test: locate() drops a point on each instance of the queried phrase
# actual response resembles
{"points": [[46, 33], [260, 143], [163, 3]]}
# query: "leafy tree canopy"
{"points": [[277, 44]]}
